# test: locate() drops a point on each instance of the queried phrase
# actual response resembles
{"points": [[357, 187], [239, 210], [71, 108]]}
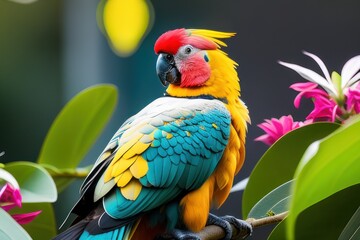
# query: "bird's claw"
{"points": [[243, 228], [178, 234]]}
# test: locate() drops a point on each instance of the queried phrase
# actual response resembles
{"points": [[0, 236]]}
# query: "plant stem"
{"points": [[76, 173]]}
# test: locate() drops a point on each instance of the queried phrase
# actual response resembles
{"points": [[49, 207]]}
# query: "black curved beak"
{"points": [[166, 70]]}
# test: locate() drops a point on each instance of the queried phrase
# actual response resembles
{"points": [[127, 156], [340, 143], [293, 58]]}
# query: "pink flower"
{"points": [[335, 97], [307, 90], [10, 197], [325, 108], [353, 99], [24, 218], [276, 128]]}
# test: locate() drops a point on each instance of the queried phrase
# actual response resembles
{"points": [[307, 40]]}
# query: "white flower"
{"points": [[334, 85]]}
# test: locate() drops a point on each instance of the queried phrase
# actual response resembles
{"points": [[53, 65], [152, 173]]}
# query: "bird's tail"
{"points": [[141, 229], [74, 232], [79, 231]]}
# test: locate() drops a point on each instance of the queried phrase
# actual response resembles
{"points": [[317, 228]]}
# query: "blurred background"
{"points": [[50, 50]]}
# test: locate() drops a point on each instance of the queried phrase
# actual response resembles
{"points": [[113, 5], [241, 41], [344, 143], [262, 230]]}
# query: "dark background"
{"points": [[52, 49]]}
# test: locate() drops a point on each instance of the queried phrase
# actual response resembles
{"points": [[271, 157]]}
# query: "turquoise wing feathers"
{"points": [[169, 148]]}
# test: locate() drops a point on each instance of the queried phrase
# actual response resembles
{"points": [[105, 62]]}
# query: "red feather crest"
{"points": [[171, 41]]}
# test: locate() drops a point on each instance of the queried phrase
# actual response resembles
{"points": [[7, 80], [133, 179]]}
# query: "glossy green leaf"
{"points": [[77, 127], [10, 229], [279, 232], [327, 167], [43, 227], [279, 162], [8, 177], [275, 202], [36, 184], [325, 219], [352, 228]]}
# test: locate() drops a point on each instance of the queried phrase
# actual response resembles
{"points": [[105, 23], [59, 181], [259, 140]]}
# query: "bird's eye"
{"points": [[169, 57], [187, 50]]}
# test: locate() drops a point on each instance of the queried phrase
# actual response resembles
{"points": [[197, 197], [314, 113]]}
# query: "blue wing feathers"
{"points": [[158, 134], [151, 175], [187, 139], [175, 158], [178, 148], [158, 163], [156, 143], [150, 154], [165, 143], [162, 152], [166, 172], [170, 152], [173, 142], [186, 148]]}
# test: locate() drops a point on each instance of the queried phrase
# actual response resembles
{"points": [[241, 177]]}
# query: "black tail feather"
{"points": [[74, 232]]}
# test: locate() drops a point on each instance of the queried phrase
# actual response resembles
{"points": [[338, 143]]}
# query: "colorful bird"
{"points": [[168, 165]]}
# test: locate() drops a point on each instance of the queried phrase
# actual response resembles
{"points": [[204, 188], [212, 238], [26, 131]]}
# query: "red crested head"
{"points": [[184, 57], [171, 41]]}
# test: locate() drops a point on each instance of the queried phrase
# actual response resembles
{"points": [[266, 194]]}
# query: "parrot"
{"points": [[168, 165]]}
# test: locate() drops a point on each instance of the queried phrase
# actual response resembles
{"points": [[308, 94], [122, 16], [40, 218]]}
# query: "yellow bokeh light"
{"points": [[126, 22]]}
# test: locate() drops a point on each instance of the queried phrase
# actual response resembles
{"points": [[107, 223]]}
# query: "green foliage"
{"points": [[43, 227], [273, 203], [279, 232], [278, 164], [70, 137], [328, 166], [36, 184], [38, 190], [351, 230], [325, 219], [323, 199], [75, 130], [10, 229]]}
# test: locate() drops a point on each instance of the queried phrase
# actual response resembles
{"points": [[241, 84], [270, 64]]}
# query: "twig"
{"points": [[267, 220], [213, 232]]}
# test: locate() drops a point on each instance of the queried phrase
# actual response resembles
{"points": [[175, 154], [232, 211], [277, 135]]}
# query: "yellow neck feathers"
{"points": [[223, 82]]}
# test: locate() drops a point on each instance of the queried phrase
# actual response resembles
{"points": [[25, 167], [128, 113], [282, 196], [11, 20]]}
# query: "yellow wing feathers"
{"points": [[128, 166]]}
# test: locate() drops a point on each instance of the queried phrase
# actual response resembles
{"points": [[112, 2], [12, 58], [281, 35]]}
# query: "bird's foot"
{"points": [[243, 228], [227, 223], [178, 234]]}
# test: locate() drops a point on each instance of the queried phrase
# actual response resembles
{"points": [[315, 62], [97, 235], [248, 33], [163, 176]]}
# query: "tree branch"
{"points": [[267, 220], [213, 232]]}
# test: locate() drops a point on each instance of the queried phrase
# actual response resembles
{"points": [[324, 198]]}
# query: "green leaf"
{"points": [[5, 175], [279, 232], [77, 127], [352, 229], [43, 227], [325, 219], [275, 202], [327, 167], [279, 162], [36, 184], [10, 229]]}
